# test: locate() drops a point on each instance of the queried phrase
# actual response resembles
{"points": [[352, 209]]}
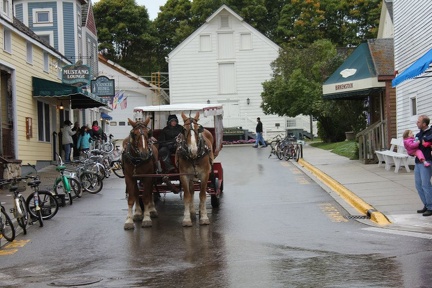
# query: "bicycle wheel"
{"points": [[59, 189], [23, 218], [279, 151], [47, 203], [76, 187], [91, 182], [107, 147], [117, 169], [7, 229], [287, 153]]}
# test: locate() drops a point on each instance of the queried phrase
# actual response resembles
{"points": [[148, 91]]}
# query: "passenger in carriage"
{"points": [[167, 142]]}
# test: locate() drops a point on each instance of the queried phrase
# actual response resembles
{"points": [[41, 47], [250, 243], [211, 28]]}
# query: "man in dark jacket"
{"points": [[167, 142], [259, 137]]}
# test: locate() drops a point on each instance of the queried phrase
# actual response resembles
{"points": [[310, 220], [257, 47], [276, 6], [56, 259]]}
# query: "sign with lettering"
{"points": [[103, 86], [72, 74], [344, 86]]}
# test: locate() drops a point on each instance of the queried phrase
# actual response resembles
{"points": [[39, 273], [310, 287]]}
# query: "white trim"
{"points": [[350, 86], [60, 27], [45, 33], [48, 23]]}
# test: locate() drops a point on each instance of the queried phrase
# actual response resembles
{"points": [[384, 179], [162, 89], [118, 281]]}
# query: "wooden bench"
{"points": [[395, 156]]}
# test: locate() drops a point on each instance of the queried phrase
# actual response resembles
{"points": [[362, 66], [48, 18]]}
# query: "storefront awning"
{"points": [[105, 116], [416, 69], [79, 98], [356, 77]]}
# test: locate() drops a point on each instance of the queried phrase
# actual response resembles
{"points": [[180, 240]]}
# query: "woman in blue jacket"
{"points": [[83, 143]]}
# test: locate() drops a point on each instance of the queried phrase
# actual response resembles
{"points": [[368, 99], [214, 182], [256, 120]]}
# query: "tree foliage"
{"points": [[296, 88], [125, 34]]}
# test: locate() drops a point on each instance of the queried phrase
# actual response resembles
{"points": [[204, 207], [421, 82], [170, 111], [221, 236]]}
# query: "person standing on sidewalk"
{"points": [[259, 137], [422, 174], [67, 141]]}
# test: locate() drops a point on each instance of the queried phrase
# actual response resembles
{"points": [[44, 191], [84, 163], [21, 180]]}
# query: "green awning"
{"points": [[355, 78], [79, 98]]}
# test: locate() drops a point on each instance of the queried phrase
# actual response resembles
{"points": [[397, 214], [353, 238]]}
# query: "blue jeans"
{"points": [[67, 149], [259, 139], [422, 176]]}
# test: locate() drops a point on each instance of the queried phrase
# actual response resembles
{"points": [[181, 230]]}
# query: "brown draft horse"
{"points": [[138, 158], [194, 158]]}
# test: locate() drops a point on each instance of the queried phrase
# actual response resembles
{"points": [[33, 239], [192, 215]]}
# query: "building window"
{"points": [[122, 123], [29, 53], [44, 130], [7, 44], [6, 7], [291, 123], [205, 43], [42, 17], [413, 106], [245, 41], [46, 62], [224, 21]]}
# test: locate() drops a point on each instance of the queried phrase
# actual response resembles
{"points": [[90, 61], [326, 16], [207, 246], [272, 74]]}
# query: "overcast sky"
{"points": [[151, 5]]}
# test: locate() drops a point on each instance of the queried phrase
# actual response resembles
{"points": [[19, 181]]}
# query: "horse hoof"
{"points": [[129, 226], [138, 217], [204, 222], [146, 224], [154, 214], [187, 223]]}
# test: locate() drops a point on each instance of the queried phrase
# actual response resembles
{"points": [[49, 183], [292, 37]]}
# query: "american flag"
{"points": [[123, 104]]}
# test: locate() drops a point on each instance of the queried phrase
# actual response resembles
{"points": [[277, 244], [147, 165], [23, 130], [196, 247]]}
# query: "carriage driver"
{"points": [[167, 142]]}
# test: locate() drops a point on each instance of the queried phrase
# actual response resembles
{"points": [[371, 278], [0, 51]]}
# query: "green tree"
{"points": [[125, 34], [296, 88]]}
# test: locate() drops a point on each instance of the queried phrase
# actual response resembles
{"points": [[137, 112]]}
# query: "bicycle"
{"points": [[19, 209], [41, 204], [274, 145], [65, 183], [90, 181], [7, 230]]}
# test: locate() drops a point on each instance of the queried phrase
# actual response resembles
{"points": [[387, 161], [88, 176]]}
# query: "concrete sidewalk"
{"points": [[390, 194]]}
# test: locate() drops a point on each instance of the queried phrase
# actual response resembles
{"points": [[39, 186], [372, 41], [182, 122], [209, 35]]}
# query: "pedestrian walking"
{"points": [[422, 173], [67, 140], [259, 138]]}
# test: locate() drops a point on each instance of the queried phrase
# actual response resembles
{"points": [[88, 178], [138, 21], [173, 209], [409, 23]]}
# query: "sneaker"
{"points": [[254, 146], [426, 164]]}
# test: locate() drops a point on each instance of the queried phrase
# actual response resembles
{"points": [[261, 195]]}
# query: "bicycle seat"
{"points": [[34, 183], [61, 168]]}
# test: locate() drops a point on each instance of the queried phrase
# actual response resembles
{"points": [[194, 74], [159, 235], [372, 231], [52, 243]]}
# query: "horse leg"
{"points": [[153, 211], [192, 205], [148, 202], [204, 220], [129, 224], [138, 215], [187, 221]]}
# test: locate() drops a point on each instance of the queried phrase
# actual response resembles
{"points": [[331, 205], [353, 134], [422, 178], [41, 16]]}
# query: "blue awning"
{"points": [[105, 116], [355, 78], [417, 68]]}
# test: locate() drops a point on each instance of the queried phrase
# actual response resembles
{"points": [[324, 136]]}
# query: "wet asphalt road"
{"points": [[275, 228]]}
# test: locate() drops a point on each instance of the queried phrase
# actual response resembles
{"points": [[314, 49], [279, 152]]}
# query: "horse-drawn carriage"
{"points": [[195, 168]]}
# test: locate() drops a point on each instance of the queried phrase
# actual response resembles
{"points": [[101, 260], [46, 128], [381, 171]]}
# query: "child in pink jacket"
{"points": [[411, 146]]}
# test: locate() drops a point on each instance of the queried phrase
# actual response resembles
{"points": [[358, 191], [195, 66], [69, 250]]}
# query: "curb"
{"points": [[347, 195]]}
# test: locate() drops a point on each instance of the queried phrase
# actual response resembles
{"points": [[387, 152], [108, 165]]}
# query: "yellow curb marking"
{"points": [[11, 247], [332, 213], [347, 195]]}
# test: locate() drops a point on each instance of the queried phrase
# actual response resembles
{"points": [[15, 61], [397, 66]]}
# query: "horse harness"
{"points": [[182, 150], [132, 152]]}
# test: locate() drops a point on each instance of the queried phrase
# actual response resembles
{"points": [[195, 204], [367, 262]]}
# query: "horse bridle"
{"points": [[132, 152], [202, 148]]}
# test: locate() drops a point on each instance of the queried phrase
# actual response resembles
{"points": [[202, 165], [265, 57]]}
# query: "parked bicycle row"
{"points": [[285, 148], [83, 175]]}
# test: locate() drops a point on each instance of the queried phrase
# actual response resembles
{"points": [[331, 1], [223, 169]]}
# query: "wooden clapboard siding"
{"points": [[194, 74], [412, 40], [28, 150]]}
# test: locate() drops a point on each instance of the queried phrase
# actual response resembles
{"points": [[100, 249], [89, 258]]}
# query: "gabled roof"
{"points": [[222, 9], [382, 55], [88, 20]]}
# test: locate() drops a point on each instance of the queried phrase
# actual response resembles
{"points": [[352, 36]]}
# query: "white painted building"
{"points": [[135, 91], [412, 41], [225, 61]]}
